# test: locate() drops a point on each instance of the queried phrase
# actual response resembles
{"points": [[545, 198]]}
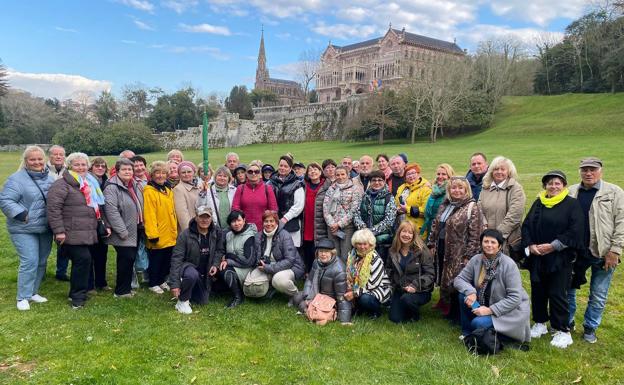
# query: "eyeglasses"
{"points": [[252, 172], [99, 166], [377, 180]]}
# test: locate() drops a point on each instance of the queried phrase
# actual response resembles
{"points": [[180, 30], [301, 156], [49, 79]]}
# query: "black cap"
{"points": [[298, 164], [326, 244], [268, 167], [554, 174], [241, 166]]}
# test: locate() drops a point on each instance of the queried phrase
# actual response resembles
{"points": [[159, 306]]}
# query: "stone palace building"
{"points": [[378, 63]]}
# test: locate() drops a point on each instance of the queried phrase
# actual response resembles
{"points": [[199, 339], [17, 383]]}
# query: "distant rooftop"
{"points": [[284, 81], [410, 38]]}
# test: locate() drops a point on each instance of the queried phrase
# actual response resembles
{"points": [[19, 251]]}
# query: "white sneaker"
{"points": [[183, 307], [23, 305], [38, 299], [538, 330], [165, 286], [561, 339], [156, 289]]}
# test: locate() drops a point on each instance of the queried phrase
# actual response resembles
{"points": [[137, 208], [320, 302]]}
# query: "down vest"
{"points": [[68, 212], [21, 195], [378, 215], [320, 227], [283, 251]]}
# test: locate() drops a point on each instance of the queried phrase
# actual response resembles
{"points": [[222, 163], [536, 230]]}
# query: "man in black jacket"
{"points": [[195, 258]]}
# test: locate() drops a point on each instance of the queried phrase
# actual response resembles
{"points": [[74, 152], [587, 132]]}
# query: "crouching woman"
{"points": [[195, 260], [327, 277], [491, 293]]}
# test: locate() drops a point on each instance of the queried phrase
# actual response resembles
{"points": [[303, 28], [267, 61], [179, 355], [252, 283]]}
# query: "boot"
{"points": [[231, 280]]}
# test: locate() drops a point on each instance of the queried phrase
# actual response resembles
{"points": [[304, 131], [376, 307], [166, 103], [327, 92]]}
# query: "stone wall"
{"points": [[282, 124]]}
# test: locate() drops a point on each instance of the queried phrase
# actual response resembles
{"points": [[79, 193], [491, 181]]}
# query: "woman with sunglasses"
{"points": [[254, 197]]}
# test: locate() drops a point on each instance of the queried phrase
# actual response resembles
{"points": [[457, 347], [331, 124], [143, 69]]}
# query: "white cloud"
{"points": [[142, 25], [206, 28], [344, 31], [141, 5], [179, 6], [213, 52], [289, 71], [69, 30], [528, 37], [60, 86], [129, 41], [538, 12]]}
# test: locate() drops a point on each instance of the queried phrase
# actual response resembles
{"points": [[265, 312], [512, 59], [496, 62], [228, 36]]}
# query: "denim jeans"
{"points": [[62, 262], [598, 291], [33, 251], [469, 321], [367, 303]]}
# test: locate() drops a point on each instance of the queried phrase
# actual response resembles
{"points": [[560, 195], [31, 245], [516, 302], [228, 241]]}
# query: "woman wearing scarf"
{"points": [[219, 195], [185, 194], [99, 251], [438, 192], [454, 240], [412, 196], [290, 196], [553, 234], [502, 201], [314, 182], [383, 165], [124, 212], [74, 209], [23, 201], [491, 293], [161, 228], [341, 201], [368, 286]]}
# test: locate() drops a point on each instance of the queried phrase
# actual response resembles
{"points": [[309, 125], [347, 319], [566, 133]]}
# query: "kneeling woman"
{"points": [[240, 256], [491, 293], [195, 258], [412, 273], [328, 277], [368, 286], [277, 256]]}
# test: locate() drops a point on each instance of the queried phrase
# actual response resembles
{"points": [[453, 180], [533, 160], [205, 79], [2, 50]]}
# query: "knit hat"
{"points": [[403, 156], [188, 164], [268, 167], [554, 174]]}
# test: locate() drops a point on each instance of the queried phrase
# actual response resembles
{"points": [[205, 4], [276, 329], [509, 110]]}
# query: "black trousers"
{"points": [[406, 306], [97, 276], [125, 264], [308, 254], [159, 265], [193, 286], [549, 298], [79, 276]]}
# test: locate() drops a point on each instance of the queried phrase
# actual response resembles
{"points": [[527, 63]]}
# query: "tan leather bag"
{"points": [[322, 309]]}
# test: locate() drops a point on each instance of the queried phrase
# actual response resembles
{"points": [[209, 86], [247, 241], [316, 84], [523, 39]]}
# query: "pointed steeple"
{"points": [[262, 72]]}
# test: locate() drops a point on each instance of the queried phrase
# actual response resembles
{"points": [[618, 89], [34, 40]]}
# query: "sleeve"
{"points": [[272, 203], [464, 280], [432, 239], [150, 216], [475, 228], [357, 217], [177, 260], [526, 226], [236, 202], [385, 226], [215, 259], [307, 286], [427, 277], [297, 207], [513, 291], [354, 206], [56, 199], [182, 212], [342, 305], [248, 259], [289, 253], [573, 234], [10, 199], [111, 210], [326, 203], [513, 217], [617, 238], [378, 284]]}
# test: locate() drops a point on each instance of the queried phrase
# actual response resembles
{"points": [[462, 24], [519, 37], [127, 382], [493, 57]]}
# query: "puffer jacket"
{"points": [[240, 247], [122, 212], [378, 215], [285, 196], [415, 198], [606, 219], [160, 217], [419, 272], [20, 197], [68, 212], [329, 279], [349, 199], [186, 252], [320, 227], [283, 251], [503, 209]]}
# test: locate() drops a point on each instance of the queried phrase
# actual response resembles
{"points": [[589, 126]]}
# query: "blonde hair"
{"points": [[364, 236], [497, 162], [447, 167], [158, 165], [175, 152], [458, 180], [417, 242], [27, 152], [200, 170]]}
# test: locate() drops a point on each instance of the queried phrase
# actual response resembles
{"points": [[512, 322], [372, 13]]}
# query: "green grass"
{"points": [[144, 341]]}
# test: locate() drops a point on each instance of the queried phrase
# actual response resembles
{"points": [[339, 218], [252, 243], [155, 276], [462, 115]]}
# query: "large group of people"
{"points": [[365, 237]]}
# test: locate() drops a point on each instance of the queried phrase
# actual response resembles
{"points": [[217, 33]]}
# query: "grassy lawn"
{"points": [[144, 341]]}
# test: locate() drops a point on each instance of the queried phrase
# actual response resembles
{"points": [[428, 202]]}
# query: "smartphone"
{"points": [[476, 305]]}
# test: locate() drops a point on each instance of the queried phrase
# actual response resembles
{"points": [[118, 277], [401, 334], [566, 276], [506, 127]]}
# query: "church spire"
{"points": [[262, 72]]}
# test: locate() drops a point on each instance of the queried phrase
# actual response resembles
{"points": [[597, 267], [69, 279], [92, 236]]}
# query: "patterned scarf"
{"points": [[359, 269], [90, 188], [552, 201], [486, 275]]}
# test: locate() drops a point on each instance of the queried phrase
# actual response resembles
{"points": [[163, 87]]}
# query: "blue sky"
{"points": [[55, 48]]}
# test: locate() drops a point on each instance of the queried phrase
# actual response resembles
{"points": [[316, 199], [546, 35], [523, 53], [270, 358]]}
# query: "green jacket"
{"points": [[378, 215]]}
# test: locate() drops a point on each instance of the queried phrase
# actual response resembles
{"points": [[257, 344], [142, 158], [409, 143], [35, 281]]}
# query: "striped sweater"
{"points": [[378, 284]]}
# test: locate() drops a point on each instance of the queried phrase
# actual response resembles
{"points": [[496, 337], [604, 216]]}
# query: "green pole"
{"points": [[205, 142]]}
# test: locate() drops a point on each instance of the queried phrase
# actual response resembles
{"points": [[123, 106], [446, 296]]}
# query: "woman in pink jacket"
{"points": [[254, 196]]}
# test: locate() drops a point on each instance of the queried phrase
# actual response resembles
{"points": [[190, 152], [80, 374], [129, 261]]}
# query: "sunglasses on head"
{"points": [[458, 178], [252, 172]]}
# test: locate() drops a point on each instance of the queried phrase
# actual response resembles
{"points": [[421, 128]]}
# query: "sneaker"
{"points": [[538, 330], [589, 335], [127, 295], [165, 286], [462, 337], [561, 339], [23, 305], [38, 299], [77, 307], [156, 289], [183, 307]]}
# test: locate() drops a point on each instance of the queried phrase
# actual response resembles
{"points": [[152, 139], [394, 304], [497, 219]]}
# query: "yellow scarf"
{"points": [[552, 201]]}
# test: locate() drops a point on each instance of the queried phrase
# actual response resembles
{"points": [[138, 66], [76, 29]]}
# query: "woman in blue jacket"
{"points": [[23, 201]]}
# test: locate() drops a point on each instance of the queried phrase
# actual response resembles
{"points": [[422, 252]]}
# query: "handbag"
{"points": [[483, 342], [256, 284], [322, 309], [101, 229], [141, 263]]}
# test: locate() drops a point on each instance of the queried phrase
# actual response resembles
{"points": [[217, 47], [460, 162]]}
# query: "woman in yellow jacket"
{"points": [[411, 197], [161, 227]]}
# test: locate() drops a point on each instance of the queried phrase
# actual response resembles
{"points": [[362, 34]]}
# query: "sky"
{"points": [[57, 48]]}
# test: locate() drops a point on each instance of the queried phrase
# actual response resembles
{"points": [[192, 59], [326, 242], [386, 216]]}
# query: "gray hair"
{"points": [[56, 147], [497, 162], [123, 162], [77, 155], [126, 154], [224, 170], [230, 154], [364, 236]]}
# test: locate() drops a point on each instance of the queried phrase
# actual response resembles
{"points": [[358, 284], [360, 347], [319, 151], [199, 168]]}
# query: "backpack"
{"points": [[256, 284], [483, 341], [321, 310]]}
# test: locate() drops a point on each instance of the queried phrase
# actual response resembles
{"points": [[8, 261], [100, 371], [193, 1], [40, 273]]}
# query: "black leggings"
{"points": [[125, 264], [159, 265]]}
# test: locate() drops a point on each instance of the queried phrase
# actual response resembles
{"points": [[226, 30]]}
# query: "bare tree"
{"points": [[84, 98], [4, 83], [544, 43], [136, 100], [307, 68], [412, 98]]}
